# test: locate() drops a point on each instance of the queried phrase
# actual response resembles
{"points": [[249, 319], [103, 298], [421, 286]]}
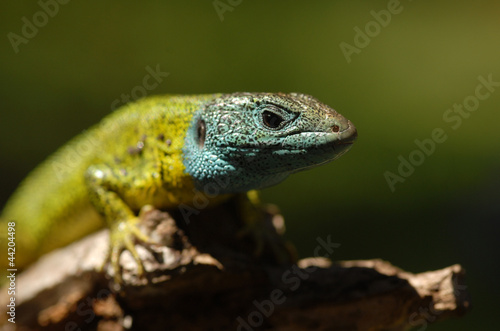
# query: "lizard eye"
{"points": [[272, 120], [201, 131]]}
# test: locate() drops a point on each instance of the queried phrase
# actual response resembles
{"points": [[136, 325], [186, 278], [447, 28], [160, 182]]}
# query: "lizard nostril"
{"points": [[335, 128]]}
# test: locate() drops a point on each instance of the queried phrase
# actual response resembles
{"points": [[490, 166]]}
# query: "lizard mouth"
{"points": [[321, 142], [338, 140]]}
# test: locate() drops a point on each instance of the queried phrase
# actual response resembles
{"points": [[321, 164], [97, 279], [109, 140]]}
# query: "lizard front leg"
{"points": [[108, 188]]}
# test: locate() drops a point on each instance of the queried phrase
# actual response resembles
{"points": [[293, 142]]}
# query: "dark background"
{"points": [[396, 90]]}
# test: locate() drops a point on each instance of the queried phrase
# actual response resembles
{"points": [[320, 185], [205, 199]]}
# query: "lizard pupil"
{"points": [[272, 120], [201, 132]]}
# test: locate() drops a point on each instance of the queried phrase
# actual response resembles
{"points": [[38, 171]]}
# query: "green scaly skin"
{"points": [[162, 151]]}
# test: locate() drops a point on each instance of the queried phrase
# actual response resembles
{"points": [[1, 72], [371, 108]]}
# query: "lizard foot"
{"points": [[123, 236]]}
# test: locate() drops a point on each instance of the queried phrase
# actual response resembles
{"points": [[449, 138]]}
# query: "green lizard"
{"points": [[161, 151]]}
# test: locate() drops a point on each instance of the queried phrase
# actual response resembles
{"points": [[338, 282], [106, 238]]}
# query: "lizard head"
{"points": [[245, 141]]}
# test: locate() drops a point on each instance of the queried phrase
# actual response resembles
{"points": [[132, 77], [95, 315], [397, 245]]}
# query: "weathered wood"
{"points": [[206, 277]]}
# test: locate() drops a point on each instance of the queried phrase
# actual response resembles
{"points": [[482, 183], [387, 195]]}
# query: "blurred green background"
{"points": [[395, 90]]}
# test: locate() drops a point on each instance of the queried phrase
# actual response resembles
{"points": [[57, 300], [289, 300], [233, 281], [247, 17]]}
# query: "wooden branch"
{"points": [[206, 277]]}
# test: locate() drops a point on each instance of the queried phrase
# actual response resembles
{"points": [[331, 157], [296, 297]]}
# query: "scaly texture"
{"points": [[165, 151]]}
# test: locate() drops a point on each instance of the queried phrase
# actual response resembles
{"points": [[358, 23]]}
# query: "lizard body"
{"points": [[162, 151]]}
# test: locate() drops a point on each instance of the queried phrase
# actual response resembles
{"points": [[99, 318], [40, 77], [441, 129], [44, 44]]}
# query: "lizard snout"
{"points": [[347, 131]]}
